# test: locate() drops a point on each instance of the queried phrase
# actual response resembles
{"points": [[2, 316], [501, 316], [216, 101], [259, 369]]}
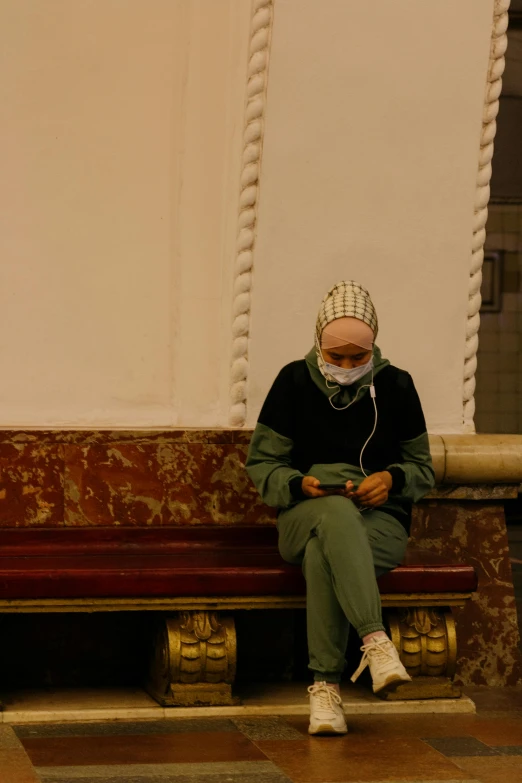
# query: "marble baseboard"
{"points": [[256, 699]]}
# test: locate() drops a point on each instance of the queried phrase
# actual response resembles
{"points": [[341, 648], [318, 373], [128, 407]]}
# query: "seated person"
{"points": [[341, 449]]}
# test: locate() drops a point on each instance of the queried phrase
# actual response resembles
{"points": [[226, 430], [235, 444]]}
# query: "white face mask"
{"points": [[347, 377]]}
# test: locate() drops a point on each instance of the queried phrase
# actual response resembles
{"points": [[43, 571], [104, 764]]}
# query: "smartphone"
{"points": [[333, 485]]}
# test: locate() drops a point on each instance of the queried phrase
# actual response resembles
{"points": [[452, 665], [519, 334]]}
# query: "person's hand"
{"points": [[349, 490], [373, 491], [309, 486]]}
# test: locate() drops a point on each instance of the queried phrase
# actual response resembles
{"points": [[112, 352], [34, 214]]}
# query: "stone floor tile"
{"points": [[141, 749], [267, 729], [460, 746], [495, 769], [351, 758], [508, 699], [237, 772], [8, 739], [15, 766], [123, 727], [498, 730], [399, 725]]}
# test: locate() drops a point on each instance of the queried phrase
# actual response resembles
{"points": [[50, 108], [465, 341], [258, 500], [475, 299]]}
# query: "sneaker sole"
{"points": [[391, 685], [326, 728]]}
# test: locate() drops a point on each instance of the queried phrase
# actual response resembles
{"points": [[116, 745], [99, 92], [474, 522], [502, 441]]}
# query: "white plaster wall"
{"points": [[120, 143], [369, 169], [120, 140]]}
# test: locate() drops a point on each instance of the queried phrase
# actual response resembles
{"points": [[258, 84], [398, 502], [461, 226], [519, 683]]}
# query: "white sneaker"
{"points": [[326, 710], [387, 671]]}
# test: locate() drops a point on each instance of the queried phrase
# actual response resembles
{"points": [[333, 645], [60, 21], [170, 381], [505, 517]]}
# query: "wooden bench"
{"points": [[196, 576]]}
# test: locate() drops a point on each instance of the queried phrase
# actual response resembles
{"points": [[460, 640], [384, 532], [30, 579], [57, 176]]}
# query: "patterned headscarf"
{"points": [[346, 298]]}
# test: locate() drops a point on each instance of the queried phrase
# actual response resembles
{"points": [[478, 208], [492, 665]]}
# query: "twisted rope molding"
{"points": [[253, 138], [489, 128], [262, 16]]}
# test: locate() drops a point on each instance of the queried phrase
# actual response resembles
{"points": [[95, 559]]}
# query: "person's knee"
{"points": [[315, 563], [289, 554], [313, 555], [335, 515], [388, 541]]}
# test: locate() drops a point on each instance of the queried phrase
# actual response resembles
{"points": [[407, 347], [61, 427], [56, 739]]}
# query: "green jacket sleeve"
{"points": [[269, 460], [417, 468], [413, 476], [268, 465]]}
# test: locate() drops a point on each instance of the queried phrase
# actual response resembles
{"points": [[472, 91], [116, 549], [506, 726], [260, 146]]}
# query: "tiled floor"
{"points": [[485, 747]]}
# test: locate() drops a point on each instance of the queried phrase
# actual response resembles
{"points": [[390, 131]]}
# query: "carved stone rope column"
{"points": [[248, 199], [489, 127]]}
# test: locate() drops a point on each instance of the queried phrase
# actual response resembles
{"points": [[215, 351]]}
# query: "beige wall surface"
{"points": [[120, 139], [121, 134], [369, 169]]}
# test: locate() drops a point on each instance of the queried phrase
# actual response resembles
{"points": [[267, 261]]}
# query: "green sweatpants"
{"points": [[342, 552]]}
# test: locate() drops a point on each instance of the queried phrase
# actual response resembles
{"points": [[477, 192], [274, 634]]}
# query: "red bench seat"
{"points": [[193, 561]]}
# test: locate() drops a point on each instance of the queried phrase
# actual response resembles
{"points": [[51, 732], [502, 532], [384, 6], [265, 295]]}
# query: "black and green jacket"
{"points": [[299, 433]]}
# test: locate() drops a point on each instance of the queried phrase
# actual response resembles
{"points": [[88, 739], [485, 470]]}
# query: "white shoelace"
{"points": [[381, 650], [327, 697]]}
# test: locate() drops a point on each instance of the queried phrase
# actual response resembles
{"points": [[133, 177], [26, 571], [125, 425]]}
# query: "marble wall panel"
{"points": [[488, 636], [31, 484], [160, 483]]}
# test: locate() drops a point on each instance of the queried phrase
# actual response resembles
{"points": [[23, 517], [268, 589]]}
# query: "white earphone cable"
{"points": [[373, 395]]}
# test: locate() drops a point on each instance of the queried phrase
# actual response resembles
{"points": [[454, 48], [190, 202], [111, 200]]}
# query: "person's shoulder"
{"points": [[293, 371], [396, 375], [276, 412], [292, 365], [289, 377]]}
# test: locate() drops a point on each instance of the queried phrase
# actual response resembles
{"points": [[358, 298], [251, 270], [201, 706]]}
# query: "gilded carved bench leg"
{"points": [[427, 643], [194, 660]]}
